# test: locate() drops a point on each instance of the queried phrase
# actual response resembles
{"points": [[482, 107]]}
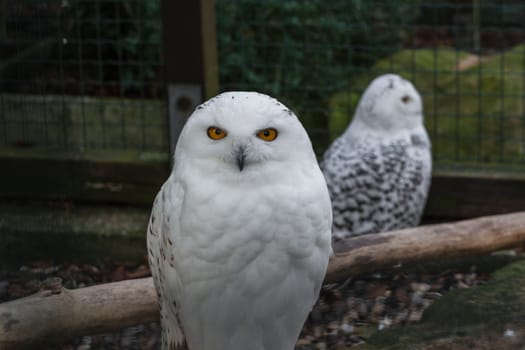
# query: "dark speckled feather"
{"points": [[378, 172]]}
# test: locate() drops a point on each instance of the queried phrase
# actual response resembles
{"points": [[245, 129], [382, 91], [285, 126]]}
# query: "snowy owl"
{"points": [[240, 234], [378, 171]]}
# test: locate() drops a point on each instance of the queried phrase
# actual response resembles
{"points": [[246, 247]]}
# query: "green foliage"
{"points": [[123, 36], [472, 114], [422, 67], [303, 51]]}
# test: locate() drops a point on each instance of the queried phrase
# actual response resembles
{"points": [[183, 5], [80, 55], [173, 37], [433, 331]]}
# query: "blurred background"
{"points": [[88, 75], [93, 94]]}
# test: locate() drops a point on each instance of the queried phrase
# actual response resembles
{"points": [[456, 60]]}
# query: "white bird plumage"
{"points": [[239, 234], [378, 171]]}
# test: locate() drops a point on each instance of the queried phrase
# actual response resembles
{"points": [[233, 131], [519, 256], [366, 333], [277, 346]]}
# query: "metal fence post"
{"points": [[190, 58]]}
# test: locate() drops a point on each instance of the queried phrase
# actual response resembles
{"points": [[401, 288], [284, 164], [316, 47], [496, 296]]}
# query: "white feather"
{"points": [[250, 248], [378, 172]]}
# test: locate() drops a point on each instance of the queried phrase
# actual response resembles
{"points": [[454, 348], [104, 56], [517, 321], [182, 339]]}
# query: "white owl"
{"points": [[240, 233], [379, 171]]}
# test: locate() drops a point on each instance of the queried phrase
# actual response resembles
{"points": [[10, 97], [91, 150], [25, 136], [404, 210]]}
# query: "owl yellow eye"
{"points": [[216, 133], [269, 134]]}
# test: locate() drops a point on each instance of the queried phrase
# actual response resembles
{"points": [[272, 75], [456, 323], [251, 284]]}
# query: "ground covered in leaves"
{"points": [[346, 314]]}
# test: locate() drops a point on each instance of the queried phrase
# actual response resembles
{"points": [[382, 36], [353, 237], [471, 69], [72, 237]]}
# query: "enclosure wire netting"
{"points": [[86, 74], [80, 75], [466, 58]]}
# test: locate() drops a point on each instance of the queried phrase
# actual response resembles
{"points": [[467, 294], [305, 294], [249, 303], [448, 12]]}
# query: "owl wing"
{"points": [[376, 187], [164, 218]]}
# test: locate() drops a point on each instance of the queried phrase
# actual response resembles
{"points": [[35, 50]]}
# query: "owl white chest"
{"points": [[250, 261]]}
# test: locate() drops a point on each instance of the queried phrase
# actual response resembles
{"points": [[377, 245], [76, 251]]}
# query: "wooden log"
{"points": [[55, 315], [385, 250], [61, 314]]}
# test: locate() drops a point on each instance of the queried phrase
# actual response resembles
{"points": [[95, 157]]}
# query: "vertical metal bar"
{"points": [[42, 88], [435, 147], [3, 19], [120, 63], [457, 92], [140, 22], [523, 97], [476, 24], [479, 133], [502, 92], [80, 57], [412, 55], [60, 42], [190, 58], [182, 100], [22, 135], [3, 36], [209, 49], [502, 116], [100, 74]]}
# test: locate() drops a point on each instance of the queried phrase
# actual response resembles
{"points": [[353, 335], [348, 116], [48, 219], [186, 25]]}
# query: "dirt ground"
{"points": [[345, 315]]}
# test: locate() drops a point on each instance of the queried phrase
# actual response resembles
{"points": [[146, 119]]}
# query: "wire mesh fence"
{"points": [[87, 74], [81, 74], [466, 58]]}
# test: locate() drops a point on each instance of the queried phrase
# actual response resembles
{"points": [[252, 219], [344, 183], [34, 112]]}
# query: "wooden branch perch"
{"points": [[375, 252], [68, 313], [53, 316]]}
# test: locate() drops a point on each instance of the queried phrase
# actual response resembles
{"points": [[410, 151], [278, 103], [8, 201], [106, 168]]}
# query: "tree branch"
{"points": [[368, 253], [55, 316], [103, 308]]}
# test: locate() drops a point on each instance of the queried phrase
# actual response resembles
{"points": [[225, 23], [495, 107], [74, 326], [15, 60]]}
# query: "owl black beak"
{"points": [[240, 156]]}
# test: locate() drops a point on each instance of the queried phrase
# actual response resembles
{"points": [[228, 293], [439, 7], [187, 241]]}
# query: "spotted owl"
{"points": [[379, 170]]}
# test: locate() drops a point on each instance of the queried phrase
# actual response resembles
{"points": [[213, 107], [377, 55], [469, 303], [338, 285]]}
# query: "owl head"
{"points": [[243, 133], [390, 103]]}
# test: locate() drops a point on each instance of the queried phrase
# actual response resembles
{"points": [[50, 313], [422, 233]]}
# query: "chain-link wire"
{"points": [[85, 74], [466, 58], [81, 75]]}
